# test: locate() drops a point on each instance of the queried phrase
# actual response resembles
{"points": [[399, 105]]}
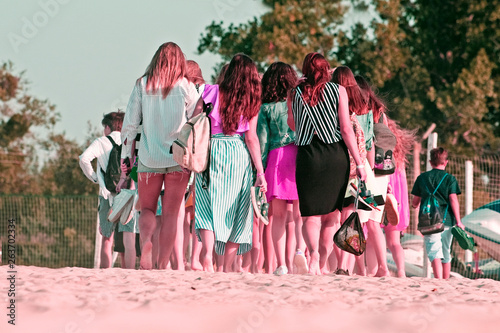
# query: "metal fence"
{"points": [[60, 231], [51, 231]]}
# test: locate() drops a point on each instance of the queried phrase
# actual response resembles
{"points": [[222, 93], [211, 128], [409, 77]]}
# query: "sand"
{"points": [[116, 300]]}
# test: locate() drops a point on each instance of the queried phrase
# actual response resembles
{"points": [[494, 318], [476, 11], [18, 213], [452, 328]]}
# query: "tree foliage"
{"points": [[20, 144], [432, 61], [287, 33]]}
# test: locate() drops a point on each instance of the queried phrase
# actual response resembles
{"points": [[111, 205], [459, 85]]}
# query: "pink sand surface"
{"points": [[92, 300]]}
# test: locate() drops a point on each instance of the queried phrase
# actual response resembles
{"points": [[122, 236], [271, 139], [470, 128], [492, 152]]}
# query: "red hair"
{"points": [[374, 102], [404, 138], [166, 68], [240, 93], [358, 102], [316, 74], [193, 72]]}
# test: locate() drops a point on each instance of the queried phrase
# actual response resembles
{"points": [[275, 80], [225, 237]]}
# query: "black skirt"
{"points": [[322, 174]]}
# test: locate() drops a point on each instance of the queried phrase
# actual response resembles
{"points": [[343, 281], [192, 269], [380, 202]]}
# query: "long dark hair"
{"points": [[374, 102], [358, 101], [277, 81], [316, 74], [240, 93], [165, 69]]}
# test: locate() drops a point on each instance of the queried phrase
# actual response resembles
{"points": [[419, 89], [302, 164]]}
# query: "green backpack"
{"points": [[431, 216]]}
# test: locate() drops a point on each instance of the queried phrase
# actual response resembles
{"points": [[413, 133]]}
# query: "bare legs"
{"points": [[394, 244], [377, 241], [173, 200], [278, 229], [130, 254], [106, 251], [328, 224], [311, 231], [207, 249]]}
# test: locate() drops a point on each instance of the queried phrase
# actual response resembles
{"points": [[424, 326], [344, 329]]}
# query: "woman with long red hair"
{"points": [[162, 100], [319, 113], [223, 210]]}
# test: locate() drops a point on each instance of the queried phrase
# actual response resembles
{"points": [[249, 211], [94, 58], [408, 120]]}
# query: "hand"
{"points": [[261, 182], [121, 184], [361, 173], [460, 225], [125, 169]]}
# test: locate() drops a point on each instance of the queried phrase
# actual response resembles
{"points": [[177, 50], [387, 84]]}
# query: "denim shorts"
{"points": [[142, 168], [438, 245]]}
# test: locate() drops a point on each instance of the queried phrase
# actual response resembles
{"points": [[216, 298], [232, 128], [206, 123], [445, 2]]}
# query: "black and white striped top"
{"points": [[321, 119]]}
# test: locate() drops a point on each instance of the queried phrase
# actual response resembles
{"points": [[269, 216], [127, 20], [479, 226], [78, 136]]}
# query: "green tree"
{"points": [[61, 174], [432, 61], [435, 63], [286, 33], [20, 114]]}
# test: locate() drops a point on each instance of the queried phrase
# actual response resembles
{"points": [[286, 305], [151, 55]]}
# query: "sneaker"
{"points": [[364, 196], [259, 204], [341, 271], [282, 270], [300, 263]]}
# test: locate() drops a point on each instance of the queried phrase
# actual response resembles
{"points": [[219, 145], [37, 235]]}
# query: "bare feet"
{"points": [[196, 266], [208, 265], [314, 264], [147, 256], [325, 270], [382, 271]]}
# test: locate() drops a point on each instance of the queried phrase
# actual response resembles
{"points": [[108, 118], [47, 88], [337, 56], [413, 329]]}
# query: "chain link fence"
{"points": [[60, 231]]}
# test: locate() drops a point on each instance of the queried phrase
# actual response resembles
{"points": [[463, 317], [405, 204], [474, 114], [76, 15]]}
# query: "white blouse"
{"points": [[162, 119]]}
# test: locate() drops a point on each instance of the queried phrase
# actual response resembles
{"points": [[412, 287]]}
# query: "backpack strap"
{"points": [[439, 184], [114, 145], [112, 141], [447, 205], [207, 108]]}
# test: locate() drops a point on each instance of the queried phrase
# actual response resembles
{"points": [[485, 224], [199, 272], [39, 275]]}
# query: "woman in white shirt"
{"points": [[163, 100]]}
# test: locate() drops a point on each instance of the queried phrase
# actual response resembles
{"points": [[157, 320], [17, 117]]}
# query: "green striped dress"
{"points": [[225, 207]]}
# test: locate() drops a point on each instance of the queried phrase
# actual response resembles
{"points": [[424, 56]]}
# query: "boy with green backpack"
{"points": [[436, 193]]}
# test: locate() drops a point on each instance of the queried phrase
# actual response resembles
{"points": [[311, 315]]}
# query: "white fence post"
{"points": [[431, 144], [98, 243], [469, 198]]}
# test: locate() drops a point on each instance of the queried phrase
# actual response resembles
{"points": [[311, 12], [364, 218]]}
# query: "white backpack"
{"points": [[191, 150]]}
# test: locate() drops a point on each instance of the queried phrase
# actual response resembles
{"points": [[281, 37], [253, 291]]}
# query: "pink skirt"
{"points": [[280, 173]]}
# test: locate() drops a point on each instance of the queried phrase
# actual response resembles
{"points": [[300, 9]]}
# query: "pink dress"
{"points": [[280, 173]]}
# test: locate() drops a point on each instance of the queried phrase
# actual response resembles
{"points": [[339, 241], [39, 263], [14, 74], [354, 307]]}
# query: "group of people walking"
{"points": [[304, 142]]}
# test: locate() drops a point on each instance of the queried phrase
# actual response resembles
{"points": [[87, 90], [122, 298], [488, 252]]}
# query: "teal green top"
{"points": [[272, 128], [366, 122], [428, 181]]}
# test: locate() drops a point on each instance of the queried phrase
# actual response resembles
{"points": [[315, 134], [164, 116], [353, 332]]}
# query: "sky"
{"points": [[85, 55]]}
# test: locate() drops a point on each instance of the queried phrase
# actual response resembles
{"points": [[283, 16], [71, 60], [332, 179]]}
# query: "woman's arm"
{"points": [[131, 121], [455, 208], [253, 145], [348, 133]]}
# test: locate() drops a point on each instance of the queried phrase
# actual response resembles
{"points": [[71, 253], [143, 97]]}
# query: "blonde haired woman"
{"points": [[163, 100]]}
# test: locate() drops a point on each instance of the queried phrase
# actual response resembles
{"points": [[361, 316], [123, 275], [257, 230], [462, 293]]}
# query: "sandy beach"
{"points": [[94, 300]]}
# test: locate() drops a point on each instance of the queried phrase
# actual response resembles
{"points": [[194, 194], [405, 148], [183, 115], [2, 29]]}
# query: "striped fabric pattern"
{"points": [[225, 207], [320, 119]]}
